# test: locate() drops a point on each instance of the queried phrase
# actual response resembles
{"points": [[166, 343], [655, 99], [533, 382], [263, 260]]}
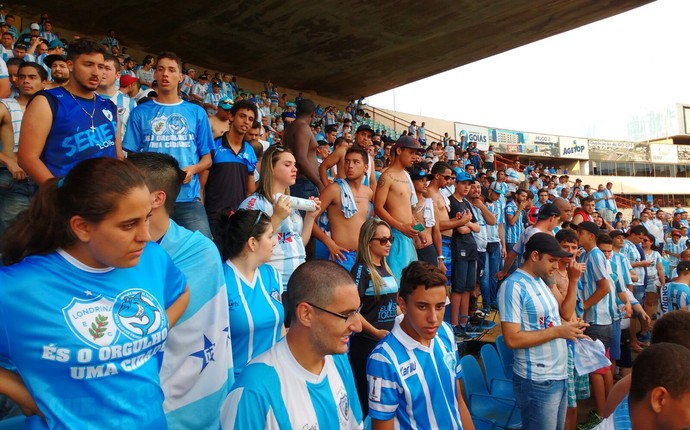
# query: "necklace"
{"points": [[90, 115]]}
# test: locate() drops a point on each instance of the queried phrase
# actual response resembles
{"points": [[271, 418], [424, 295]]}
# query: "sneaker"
{"points": [[461, 334], [644, 338]]}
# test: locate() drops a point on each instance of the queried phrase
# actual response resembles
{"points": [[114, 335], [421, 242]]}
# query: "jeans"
{"points": [[192, 216], [488, 282], [15, 197], [304, 188], [542, 403]]}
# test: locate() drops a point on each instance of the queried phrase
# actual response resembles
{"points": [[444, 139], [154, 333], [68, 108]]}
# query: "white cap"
{"points": [[35, 26]]}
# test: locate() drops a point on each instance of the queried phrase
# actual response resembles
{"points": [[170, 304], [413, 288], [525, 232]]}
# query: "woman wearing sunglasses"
{"points": [[378, 291], [254, 287], [87, 301], [278, 172]]}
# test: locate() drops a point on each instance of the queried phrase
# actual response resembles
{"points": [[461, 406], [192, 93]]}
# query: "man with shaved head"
{"points": [[566, 212]]}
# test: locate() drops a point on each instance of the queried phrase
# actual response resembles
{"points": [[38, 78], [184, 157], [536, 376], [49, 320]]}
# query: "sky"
{"points": [[587, 82]]}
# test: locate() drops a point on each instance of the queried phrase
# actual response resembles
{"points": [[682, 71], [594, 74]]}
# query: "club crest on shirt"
{"points": [[137, 313], [91, 320], [275, 294], [107, 114], [343, 407]]}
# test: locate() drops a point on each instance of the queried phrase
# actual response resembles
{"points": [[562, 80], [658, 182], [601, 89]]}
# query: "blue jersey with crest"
{"points": [[256, 312], [181, 130], [85, 340], [71, 138]]}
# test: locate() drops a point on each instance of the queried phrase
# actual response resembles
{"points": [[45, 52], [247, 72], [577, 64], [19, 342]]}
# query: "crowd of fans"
{"points": [[166, 237]]}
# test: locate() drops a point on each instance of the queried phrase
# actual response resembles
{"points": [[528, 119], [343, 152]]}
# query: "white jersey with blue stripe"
{"points": [[275, 392], [496, 208], [196, 372], [289, 252], [481, 236], [513, 232], [16, 115], [631, 251], [597, 267], [620, 269], [125, 105], [527, 301], [415, 385], [675, 248], [678, 296], [519, 247], [256, 312]]}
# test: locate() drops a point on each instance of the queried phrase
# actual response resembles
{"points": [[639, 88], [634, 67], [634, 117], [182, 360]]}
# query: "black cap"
{"points": [[587, 226], [544, 243], [616, 233], [417, 174], [50, 59], [365, 127], [548, 210], [408, 142]]}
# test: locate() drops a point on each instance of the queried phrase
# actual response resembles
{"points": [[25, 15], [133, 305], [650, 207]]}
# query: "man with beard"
{"points": [[65, 125], [59, 71]]}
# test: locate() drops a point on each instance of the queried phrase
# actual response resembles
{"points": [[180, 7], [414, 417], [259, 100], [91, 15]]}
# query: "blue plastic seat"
{"points": [[506, 355], [496, 379], [486, 408]]}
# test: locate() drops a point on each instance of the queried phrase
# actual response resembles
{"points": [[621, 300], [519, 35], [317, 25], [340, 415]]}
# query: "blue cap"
{"points": [[457, 170], [291, 104], [496, 187], [225, 103], [56, 43], [463, 177]]}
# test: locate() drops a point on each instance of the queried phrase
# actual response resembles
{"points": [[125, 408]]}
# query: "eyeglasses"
{"points": [[347, 318], [383, 240], [446, 177]]}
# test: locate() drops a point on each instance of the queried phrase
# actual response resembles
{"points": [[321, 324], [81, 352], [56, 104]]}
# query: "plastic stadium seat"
{"points": [[496, 380], [486, 408], [506, 355]]}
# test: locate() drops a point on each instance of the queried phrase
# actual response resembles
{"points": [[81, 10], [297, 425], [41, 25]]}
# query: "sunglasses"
{"points": [[383, 240], [447, 177]]}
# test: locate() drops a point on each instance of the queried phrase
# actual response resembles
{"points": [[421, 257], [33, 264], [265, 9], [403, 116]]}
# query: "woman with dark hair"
{"points": [[278, 172], [254, 287], [87, 300]]}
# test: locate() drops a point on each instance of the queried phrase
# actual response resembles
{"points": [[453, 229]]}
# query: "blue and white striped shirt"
{"points": [[513, 232], [415, 385], [631, 251], [527, 301], [620, 266], [496, 208], [16, 114], [597, 268], [675, 248], [678, 296]]}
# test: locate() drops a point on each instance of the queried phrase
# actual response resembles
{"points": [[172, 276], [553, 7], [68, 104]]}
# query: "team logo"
{"points": [[108, 114], [276, 295], [158, 124], [177, 124], [91, 320], [137, 313], [343, 406]]}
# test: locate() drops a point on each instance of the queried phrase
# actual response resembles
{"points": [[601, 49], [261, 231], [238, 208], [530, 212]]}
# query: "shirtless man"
{"points": [[300, 140], [342, 243], [442, 176], [393, 204], [220, 121], [363, 138], [566, 212]]}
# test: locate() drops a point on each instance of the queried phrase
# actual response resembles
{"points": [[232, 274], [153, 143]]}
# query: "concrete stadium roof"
{"points": [[336, 49]]}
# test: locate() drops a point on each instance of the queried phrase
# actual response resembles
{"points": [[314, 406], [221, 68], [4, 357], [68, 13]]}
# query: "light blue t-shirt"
{"points": [[275, 392], [527, 301], [181, 130], [513, 232], [413, 384], [678, 296], [597, 267], [196, 371], [255, 310], [85, 340]]}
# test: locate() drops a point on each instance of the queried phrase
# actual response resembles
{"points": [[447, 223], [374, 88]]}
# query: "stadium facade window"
{"points": [[682, 171], [625, 169], [643, 169], [664, 170], [607, 168]]}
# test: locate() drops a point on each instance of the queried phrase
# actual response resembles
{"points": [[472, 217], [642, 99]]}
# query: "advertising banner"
{"points": [[573, 147], [506, 136], [663, 153], [473, 133]]}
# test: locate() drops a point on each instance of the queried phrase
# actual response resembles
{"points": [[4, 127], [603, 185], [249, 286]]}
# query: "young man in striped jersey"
{"points": [[532, 326], [514, 217], [108, 90], [413, 373], [678, 290]]}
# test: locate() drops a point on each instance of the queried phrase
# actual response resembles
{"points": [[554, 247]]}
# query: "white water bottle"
{"points": [[298, 203]]}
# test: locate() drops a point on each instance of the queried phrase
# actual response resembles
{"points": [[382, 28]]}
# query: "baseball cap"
{"points": [[226, 103], [638, 199], [56, 43], [50, 59], [417, 174], [408, 142], [463, 177], [35, 26], [587, 226], [204, 77], [20, 45], [683, 266], [127, 80], [215, 84], [365, 127], [291, 104], [496, 187], [544, 243], [548, 210], [676, 233], [616, 233]]}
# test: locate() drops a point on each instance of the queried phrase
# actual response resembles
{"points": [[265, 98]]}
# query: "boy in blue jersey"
{"points": [[532, 326], [65, 125], [413, 373], [678, 290], [196, 369], [305, 380], [173, 126], [514, 217]]}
